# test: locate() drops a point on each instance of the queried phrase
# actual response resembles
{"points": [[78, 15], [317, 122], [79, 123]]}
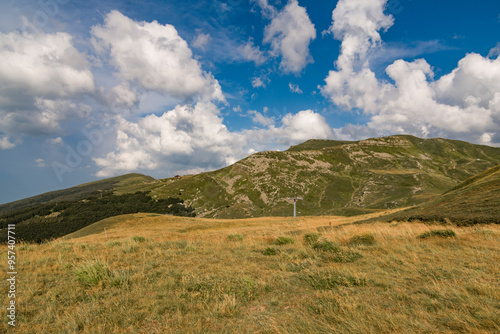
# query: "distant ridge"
{"points": [[77, 192]]}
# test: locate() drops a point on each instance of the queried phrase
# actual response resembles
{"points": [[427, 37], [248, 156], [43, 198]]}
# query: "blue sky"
{"points": [[95, 89]]}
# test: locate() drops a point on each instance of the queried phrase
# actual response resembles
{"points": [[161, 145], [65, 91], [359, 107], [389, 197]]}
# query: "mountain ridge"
{"points": [[333, 177], [77, 192]]}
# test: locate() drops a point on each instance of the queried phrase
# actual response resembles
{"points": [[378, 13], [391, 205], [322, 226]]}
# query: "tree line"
{"points": [[54, 220]]}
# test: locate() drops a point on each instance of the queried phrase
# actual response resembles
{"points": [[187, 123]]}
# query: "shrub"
{"points": [[326, 246], [91, 273], [270, 251], [438, 233], [363, 239], [283, 241], [329, 279], [139, 239], [342, 256], [311, 238], [235, 237]]}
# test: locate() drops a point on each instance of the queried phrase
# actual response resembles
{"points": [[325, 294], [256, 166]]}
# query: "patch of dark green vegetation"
{"points": [[311, 238], [53, 220], [138, 239], [283, 241], [438, 233], [326, 246], [235, 237], [270, 251], [366, 239], [332, 252], [330, 279]]}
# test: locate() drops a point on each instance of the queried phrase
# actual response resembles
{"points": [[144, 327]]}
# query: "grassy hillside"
{"points": [[159, 274], [477, 200], [333, 177], [79, 192]]}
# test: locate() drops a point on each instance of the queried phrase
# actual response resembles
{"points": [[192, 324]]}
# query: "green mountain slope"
{"points": [[333, 177], [475, 201], [118, 183]]}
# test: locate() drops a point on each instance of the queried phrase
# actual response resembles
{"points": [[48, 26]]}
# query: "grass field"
{"points": [[165, 274]]}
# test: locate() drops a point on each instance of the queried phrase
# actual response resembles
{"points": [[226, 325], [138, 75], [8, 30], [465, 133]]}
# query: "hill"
{"points": [[164, 274], [78, 192], [333, 177], [475, 201]]}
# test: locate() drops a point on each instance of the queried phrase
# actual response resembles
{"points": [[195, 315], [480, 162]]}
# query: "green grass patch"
{"points": [[235, 237], [280, 241], [270, 251], [311, 238], [331, 279], [438, 233], [367, 239], [326, 246], [138, 239]]}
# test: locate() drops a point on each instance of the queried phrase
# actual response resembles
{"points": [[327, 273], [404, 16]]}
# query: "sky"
{"points": [[94, 89]]}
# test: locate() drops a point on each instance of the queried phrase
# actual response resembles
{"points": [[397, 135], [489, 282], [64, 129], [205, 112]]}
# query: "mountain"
{"points": [[475, 201], [79, 192], [333, 177]]}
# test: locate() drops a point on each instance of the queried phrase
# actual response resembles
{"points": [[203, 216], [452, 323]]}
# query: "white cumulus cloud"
{"points": [[464, 103], [41, 75], [154, 57], [290, 33]]}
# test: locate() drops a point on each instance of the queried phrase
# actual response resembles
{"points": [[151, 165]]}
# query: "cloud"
{"points": [[258, 82], [185, 137], [268, 11], [295, 88], [494, 52], [201, 41], [294, 129], [40, 163], [5, 143], [252, 53], [41, 75], [153, 57], [258, 118], [464, 103], [290, 33]]}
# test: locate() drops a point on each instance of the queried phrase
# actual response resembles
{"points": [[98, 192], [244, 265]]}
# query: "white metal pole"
{"points": [[294, 208]]}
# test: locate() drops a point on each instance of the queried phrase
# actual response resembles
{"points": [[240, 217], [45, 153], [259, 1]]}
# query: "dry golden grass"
{"points": [[163, 274]]}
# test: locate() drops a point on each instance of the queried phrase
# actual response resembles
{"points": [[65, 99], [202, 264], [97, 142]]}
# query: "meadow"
{"points": [[153, 273]]}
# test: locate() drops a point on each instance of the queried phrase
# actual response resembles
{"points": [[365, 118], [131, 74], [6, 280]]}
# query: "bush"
{"points": [[91, 273], [311, 238], [329, 279], [367, 239], [270, 251], [235, 237], [326, 246], [342, 257], [438, 233], [283, 241], [139, 239]]}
